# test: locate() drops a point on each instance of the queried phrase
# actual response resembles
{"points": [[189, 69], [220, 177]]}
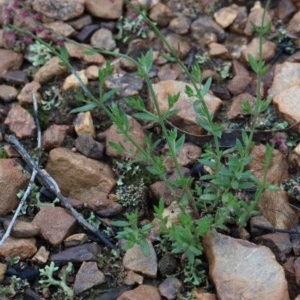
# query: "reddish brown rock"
{"points": [[294, 25], [104, 9], [142, 292], [55, 224], [238, 84], [8, 93], [161, 14], [179, 45], [20, 122], [22, 229], [103, 39], [61, 28], [12, 247], [12, 179], [238, 267], [226, 15], [9, 60], [54, 136], [236, 108], [26, 94]]}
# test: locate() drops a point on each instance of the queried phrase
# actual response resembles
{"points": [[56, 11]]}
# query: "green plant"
{"points": [[52, 98], [47, 275], [15, 288], [39, 54]]}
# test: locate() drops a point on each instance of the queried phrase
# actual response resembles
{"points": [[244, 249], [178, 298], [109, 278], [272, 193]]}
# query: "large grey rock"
{"points": [[243, 270]]}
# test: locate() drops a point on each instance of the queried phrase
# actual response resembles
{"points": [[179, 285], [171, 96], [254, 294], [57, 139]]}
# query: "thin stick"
{"points": [[47, 181]]}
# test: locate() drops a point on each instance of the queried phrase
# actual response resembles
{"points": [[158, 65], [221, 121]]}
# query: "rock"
{"points": [[238, 267], [41, 256], [55, 9], [55, 224], [135, 131], [293, 27], [91, 72], [272, 204], [291, 277], [226, 15], [26, 94], [22, 229], [218, 51], [103, 39], [170, 288], [240, 21], [81, 22], [85, 34], [255, 17], [12, 247], [3, 268], [72, 81], [285, 9], [278, 242], [87, 277], [20, 122], [168, 264], [185, 119], [78, 51], [81, 253], [277, 170], [238, 84], [295, 239], [160, 190], [204, 30], [297, 270], [236, 108], [288, 106], [181, 46], [9, 60], [17, 77], [286, 75], [61, 28], [188, 154], [83, 124], [86, 145], [142, 292], [257, 225], [84, 179], [75, 239], [52, 68], [8, 93], [180, 25], [113, 294], [166, 73], [200, 295], [133, 278], [161, 14], [54, 136], [12, 179], [136, 261], [105, 9], [268, 50]]}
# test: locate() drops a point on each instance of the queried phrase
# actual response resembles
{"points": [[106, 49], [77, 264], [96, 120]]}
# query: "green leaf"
{"points": [[168, 57], [118, 147], [189, 91], [172, 99], [145, 247], [204, 225], [208, 197], [106, 96], [120, 223], [146, 116], [253, 63], [84, 108], [90, 51], [206, 87], [64, 53]]}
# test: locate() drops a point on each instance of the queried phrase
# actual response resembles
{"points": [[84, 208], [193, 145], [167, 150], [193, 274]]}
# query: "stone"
{"points": [[24, 248], [81, 253], [103, 39], [86, 145], [52, 68], [278, 242], [105, 9], [185, 119], [226, 15], [295, 239], [187, 155], [83, 124], [239, 267], [257, 225], [255, 17], [81, 22], [55, 224], [135, 260], [3, 268], [133, 278], [91, 72], [236, 107], [240, 21], [78, 51], [22, 229], [161, 14], [166, 73], [160, 190], [297, 270], [286, 75], [41, 256], [274, 206], [268, 50], [170, 288], [84, 179], [75, 239], [61, 28], [87, 277], [26, 94], [288, 106], [72, 81], [218, 51], [85, 34], [135, 131], [168, 264], [142, 292], [277, 170], [293, 27], [181, 46], [54, 136], [285, 9], [291, 277], [200, 295], [9, 60], [13, 178], [8, 93], [58, 10]]}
